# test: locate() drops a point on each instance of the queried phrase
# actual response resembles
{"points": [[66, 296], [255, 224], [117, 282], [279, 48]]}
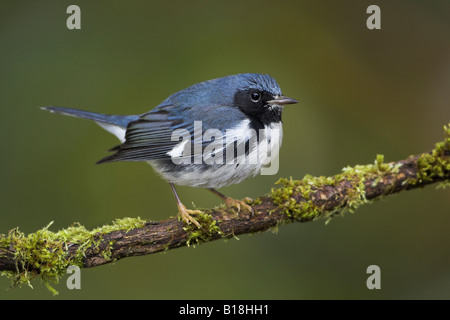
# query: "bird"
{"points": [[230, 127]]}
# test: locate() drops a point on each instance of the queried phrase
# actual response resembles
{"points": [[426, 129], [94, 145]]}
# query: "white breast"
{"points": [[263, 152], [269, 143]]}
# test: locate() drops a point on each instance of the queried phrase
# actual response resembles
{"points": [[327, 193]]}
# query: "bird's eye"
{"points": [[255, 96]]}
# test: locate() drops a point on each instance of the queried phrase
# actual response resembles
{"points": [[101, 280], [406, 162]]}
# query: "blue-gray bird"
{"points": [[209, 135]]}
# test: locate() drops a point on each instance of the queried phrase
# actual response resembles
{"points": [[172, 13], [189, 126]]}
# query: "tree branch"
{"points": [[48, 254]]}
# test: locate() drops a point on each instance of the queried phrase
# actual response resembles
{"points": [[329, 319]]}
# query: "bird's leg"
{"points": [[184, 213], [238, 204]]}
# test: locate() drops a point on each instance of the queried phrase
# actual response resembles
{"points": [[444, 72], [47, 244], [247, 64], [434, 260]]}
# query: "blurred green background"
{"points": [[361, 92]]}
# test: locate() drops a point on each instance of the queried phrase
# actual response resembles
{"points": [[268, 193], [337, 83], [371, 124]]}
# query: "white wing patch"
{"points": [[177, 151]]}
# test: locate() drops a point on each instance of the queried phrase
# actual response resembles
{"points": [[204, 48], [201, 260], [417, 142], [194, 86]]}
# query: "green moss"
{"points": [[443, 184], [283, 196], [254, 202], [306, 209], [43, 253], [436, 163], [430, 166], [208, 229]]}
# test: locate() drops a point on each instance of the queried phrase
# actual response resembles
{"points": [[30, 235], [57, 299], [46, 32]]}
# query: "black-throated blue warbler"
{"points": [[228, 127]]}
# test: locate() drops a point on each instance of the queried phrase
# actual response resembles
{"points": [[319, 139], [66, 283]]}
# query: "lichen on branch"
{"points": [[44, 253]]}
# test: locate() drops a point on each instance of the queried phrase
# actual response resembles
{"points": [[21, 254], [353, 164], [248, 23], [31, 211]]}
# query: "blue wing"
{"points": [[151, 136]]}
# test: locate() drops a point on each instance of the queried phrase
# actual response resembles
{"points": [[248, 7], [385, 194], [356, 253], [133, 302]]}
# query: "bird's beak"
{"points": [[282, 100]]}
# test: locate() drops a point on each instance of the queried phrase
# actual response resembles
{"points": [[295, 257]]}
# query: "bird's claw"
{"points": [[239, 204], [185, 215]]}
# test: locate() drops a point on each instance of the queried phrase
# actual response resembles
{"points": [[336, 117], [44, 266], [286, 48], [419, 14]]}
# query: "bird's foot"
{"points": [[185, 215], [240, 204]]}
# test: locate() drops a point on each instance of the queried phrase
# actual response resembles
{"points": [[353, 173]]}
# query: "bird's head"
{"points": [[258, 96]]}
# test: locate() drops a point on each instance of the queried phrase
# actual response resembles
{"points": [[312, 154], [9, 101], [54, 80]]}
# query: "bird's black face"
{"points": [[260, 105], [255, 104]]}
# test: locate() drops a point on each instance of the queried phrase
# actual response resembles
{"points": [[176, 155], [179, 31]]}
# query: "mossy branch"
{"points": [[47, 254]]}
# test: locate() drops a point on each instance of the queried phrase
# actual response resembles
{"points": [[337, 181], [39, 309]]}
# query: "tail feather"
{"points": [[117, 120]]}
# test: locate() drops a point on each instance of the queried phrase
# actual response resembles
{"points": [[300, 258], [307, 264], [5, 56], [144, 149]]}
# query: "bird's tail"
{"points": [[117, 120], [115, 124]]}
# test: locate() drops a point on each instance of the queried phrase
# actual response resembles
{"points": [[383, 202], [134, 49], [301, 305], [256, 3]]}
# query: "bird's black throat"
{"points": [[259, 112]]}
